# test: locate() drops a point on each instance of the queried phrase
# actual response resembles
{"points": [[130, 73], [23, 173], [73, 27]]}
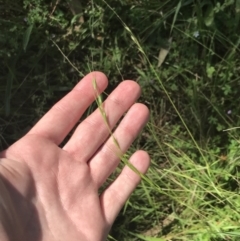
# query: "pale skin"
{"points": [[55, 190]]}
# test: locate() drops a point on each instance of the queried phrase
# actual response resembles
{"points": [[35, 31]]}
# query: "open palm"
{"points": [[52, 192]]}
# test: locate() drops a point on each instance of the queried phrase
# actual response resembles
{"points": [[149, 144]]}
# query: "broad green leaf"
{"points": [[237, 10], [237, 6], [75, 18], [175, 15], [209, 15], [26, 36], [210, 71]]}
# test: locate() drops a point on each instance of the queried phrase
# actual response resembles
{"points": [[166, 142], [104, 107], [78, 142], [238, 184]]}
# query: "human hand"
{"points": [[51, 193]]}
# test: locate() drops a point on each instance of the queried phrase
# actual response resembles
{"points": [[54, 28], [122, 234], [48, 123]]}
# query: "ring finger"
{"points": [[107, 158]]}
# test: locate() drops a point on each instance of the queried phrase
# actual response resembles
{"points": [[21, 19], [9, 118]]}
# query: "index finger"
{"points": [[61, 118]]}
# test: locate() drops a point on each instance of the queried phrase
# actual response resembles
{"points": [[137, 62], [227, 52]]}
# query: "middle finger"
{"points": [[93, 131]]}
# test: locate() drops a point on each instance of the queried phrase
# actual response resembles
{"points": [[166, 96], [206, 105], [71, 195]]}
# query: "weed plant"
{"points": [[185, 56]]}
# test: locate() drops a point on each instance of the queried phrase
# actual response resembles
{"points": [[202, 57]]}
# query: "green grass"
{"points": [[191, 191]]}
